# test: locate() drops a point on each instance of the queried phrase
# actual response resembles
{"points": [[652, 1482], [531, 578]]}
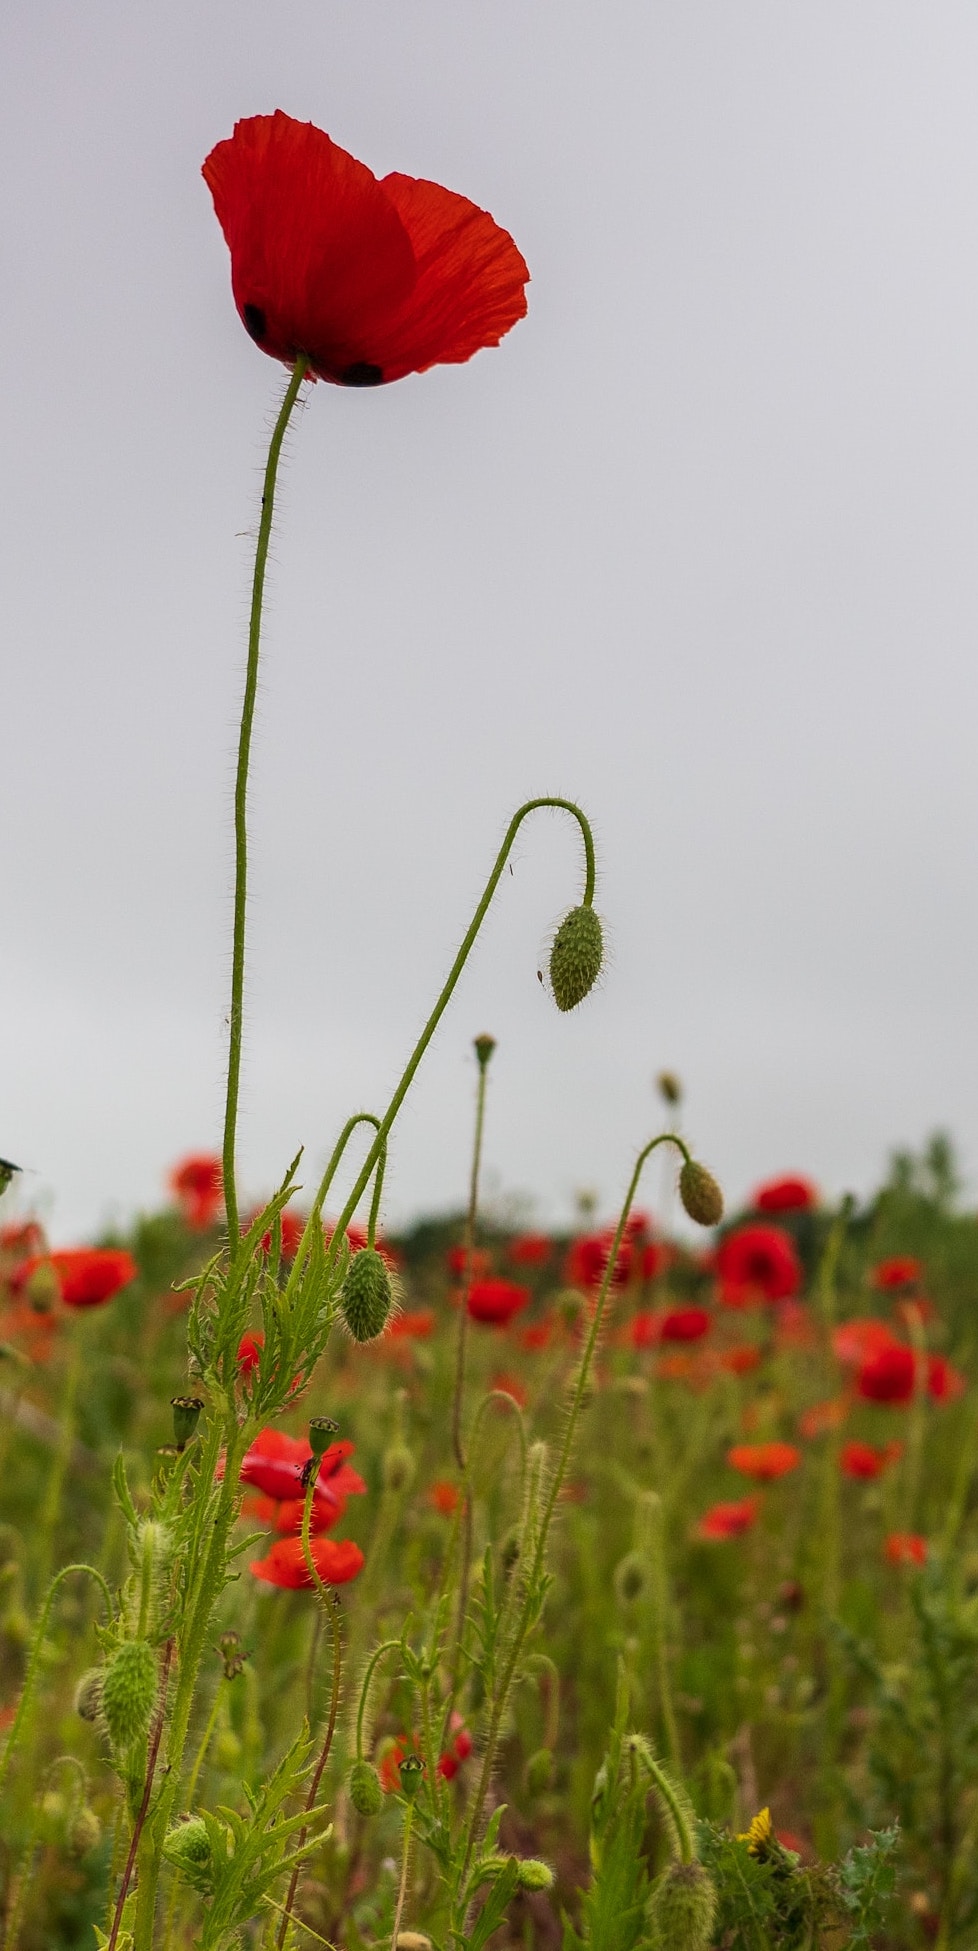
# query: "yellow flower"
{"points": [[760, 1835]]}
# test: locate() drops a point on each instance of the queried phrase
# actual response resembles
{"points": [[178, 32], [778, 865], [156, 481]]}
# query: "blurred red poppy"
{"points": [[444, 1497], [249, 1353], [86, 1276], [293, 1226], [197, 1184], [944, 1382], [787, 1195], [337, 1560], [728, 1520], [889, 1375], [900, 1271], [357, 1240], [740, 1359], [685, 1324], [764, 1461], [821, 1417], [494, 1302], [370, 280], [510, 1385], [479, 1262], [588, 1258], [906, 1548], [865, 1460], [538, 1335], [757, 1263], [459, 1750], [412, 1324], [859, 1341], [530, 1249]]}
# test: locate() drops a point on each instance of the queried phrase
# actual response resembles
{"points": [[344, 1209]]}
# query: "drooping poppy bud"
{"points": [[684, 1906], [367, 1296], [631, 1577], [88, 1694], [701, 1196], [188, 1848], [129, 1692], [575, 959], [84, 1830], [366, 1792]]}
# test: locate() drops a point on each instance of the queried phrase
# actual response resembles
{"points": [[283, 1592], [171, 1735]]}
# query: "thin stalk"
{"points": [[299, 372], [570, 1431], [151, 1760], [468, 1250], [331, 1602], [402, 1891], [34, 1656]]}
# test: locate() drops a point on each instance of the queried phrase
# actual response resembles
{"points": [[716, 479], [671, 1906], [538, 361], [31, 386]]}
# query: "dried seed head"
{"points": [[367, 1296], [366, 1792], [186, 1416], [129, 1692], [684, 1906], [701, 1196], [575, 959], [321, 1429]]}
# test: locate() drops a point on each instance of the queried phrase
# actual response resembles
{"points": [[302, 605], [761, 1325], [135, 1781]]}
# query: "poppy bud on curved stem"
{"points": [[576, 957], [701, 1196], [367, 1296]]}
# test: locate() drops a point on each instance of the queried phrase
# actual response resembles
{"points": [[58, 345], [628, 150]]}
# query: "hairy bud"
{"points": [[366, 1793], [683, 1907], [367, 1296], [534, 1875], [398, 1467], [84, 1831], [631, 1577], [188, 1848], [129, 1692], [701, 1196], [88, 1694], [575, 959]]}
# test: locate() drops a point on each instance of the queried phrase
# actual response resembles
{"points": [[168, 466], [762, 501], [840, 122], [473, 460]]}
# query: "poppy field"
{"points": [[609, 1589]]}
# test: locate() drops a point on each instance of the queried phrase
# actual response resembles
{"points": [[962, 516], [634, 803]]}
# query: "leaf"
{"points": [[496, 1906]]}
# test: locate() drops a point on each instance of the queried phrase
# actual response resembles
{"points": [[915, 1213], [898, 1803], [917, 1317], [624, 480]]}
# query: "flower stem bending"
{"points": [[299, 372]]}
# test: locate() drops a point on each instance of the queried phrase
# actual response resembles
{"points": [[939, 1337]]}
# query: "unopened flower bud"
{"points": [[186, 1416], [631, 1577], [484, 1047], [366, 1792], [84, 1831], [534, 1875], [701, 1196], [539, 1771], [670, 1087], [129, 1692], [398, 1467], [321, 1430], [367, 1296], [684, 1906], [575, 959], [188, 1848], [88, 1694]]}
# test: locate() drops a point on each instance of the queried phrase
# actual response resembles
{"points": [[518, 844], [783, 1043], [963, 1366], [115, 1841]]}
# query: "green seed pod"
{"points": [[683, 1907], [631, 1577], [539, 1771], [367, 1296], [88, 1694], [188, 1848], [484, 1047], [129, 1692], [366, 1793], [186, 1416], [398, 1467], [575, 959], [701, 1196], [410, 1770], [534, 1875], [670, 1087], [84, 1832]]}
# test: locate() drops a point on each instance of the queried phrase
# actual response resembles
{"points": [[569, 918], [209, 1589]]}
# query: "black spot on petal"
{"points": [[362, 373], [254, 319]]}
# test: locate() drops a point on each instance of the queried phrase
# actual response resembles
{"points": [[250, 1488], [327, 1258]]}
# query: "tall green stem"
{"points": [[299, 372]]}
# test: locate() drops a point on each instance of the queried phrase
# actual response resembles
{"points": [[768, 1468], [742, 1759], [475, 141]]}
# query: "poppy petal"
{"points": [[470, 279]]}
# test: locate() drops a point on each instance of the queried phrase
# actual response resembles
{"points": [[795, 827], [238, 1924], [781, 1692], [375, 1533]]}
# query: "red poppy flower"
{"points": [[764, 1461], [444, 1497], [249, 1353], [906, 1548], [411, 1325], [479, 1262], [729, 1520], [821, 1417], [275, 1462], [740, 1359], [944, 1382], [538, 1335], [889, 1375], [860, 1341], [337, 1560], [794, 1327], [197, 1184], [787, 1195], [685, 1324], [757, 1263], [530, 1250], [370, 280], [900, 1271], [496, 1301], [864, 1460], [588, 1259], [86, 1276]]}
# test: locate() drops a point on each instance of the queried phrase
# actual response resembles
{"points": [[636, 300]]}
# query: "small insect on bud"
{"points": [[321, 1429], [366, 1792], [186, 1416], [484, 1047], [575, 959], [701, 1196], [129, 1692], [631, 1577], [683, 1907], [367, 1296], [534, 1875], [232, 1653], [411, 1770]]}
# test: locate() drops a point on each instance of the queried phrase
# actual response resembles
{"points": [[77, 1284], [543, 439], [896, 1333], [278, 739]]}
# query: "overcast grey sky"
{"points": [[696, 545]]}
